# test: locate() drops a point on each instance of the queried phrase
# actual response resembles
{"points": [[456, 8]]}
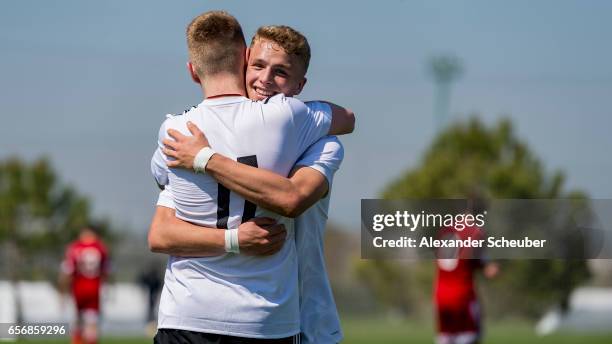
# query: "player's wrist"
{"points": [[231, 241], [213, 166], [202, 158]]}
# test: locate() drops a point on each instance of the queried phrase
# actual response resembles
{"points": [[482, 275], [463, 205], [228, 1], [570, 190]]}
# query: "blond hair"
{"points": [[290, 40], [215, 40]]}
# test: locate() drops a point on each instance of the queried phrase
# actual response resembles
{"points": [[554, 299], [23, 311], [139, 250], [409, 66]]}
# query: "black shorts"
{"points": [[172, 336]]}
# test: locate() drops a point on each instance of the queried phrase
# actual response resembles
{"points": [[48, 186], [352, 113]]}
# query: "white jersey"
{"points": [[235, 294], [320, 323]]}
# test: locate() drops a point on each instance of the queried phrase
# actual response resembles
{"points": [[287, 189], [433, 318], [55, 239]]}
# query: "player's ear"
{"points": [[248, 53], [192, 73], [300, 86]]}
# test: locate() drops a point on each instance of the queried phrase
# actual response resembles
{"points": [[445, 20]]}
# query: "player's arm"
{"points": [[343, 120], [170, 235], [289, 197], [159, 169], [65, 274]]}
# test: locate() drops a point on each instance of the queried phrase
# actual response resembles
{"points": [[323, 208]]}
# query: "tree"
{"points": [[38, 217], [470, 156]]}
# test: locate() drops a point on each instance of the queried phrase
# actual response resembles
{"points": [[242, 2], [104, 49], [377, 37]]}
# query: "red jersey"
{"points": [[455, 294], [87, 263], [455, 276]]}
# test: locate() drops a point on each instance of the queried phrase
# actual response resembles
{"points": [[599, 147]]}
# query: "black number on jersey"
{"points": [[223, 198]]}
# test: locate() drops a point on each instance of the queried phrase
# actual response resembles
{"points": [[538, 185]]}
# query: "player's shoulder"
{"points": [[181, 114], [302, 109], [281, 100], [172, 120], [277, 110]]}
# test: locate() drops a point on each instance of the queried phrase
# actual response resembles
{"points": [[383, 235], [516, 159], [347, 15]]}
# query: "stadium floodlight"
{"points": [[444, 69]]}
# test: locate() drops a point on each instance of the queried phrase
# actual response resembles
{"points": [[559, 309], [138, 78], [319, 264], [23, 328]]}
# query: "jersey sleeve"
{"points": [[165, 198], [312, 120], [159, 169], [325, 156]]}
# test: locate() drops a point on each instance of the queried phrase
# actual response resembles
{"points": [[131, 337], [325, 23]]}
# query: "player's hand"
{"points": [[261, 236], [184, 148]]}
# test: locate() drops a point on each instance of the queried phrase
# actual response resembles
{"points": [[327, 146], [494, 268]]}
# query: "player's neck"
{"points": [[223, 84]]}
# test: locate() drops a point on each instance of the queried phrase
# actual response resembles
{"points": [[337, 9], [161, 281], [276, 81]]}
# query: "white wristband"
{"points": [[201, 159], [231, 241]]}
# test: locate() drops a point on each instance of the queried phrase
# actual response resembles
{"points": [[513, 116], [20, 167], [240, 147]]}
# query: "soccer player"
{"points": [[274, 49], [233, 296], [456, 303], [83, 271]]}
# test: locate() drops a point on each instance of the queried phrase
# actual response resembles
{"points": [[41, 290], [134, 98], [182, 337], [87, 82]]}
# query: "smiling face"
{"points": [[270, 70]]}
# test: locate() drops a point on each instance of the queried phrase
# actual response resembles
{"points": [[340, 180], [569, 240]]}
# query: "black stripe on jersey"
{"points": [[223, 206], [249, 208], [223, 198], [267, 99]]}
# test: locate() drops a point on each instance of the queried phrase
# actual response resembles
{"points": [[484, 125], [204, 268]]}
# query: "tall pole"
{"points": [[444, 69]]}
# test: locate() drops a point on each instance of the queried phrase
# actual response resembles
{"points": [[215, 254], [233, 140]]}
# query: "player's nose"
{"points": [[266, 76]]}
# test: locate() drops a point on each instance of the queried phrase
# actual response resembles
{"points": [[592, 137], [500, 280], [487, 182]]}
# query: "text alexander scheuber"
{"points": [[413, 221]]}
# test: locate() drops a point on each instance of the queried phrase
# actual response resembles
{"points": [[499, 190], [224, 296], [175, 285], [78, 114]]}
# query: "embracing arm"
{"points": [[289, 197], [170, 235], [343, 120]]}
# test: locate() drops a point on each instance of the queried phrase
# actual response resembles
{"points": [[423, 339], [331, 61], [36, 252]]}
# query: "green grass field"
{"points": [[362, 331]]}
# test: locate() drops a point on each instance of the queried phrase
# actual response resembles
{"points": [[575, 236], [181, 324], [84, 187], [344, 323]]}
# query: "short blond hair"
{"points": [[215, 40], [291, 40]]}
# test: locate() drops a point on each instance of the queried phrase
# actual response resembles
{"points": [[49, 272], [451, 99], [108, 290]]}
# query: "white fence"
{"points": [[124, 306]]}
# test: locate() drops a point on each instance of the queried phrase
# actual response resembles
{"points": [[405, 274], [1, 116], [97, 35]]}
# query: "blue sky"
{"points": [[88, 83]]}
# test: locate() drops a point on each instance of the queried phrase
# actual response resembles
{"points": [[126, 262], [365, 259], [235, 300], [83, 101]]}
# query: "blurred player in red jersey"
{"points": [[83, 270], [457, 307]]}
